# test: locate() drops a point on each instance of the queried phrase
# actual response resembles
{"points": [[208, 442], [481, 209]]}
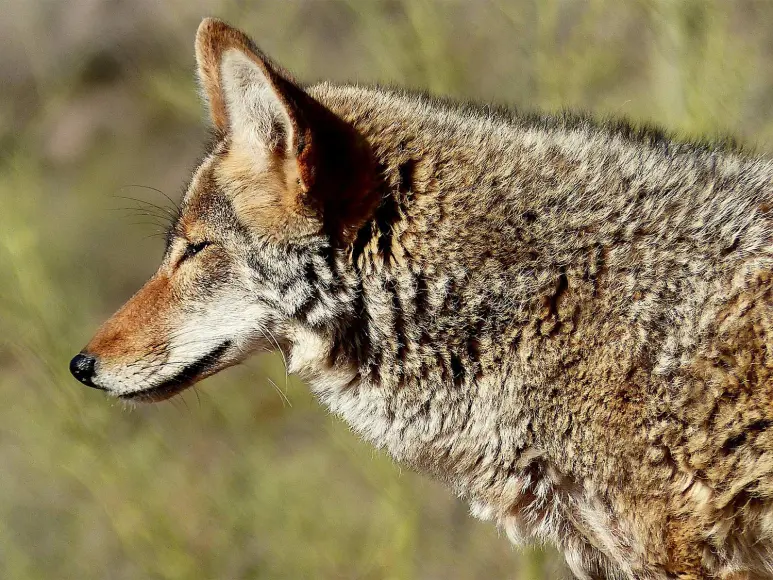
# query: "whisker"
{"points": [[281, 352], [172, 213], [174, 203], [284, 397]]}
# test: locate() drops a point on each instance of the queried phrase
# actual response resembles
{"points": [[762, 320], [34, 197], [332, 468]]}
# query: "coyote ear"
{"points": [[253, 101], [249, 97]]}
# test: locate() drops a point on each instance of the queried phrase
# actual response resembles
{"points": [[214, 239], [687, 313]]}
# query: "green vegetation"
{"points": [[98, 103]]}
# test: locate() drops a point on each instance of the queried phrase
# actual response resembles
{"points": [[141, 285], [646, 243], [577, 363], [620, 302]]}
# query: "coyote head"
{"points": [[253, 248]]}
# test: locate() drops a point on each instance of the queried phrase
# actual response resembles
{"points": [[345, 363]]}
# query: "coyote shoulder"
{"points": [[570, 323]]}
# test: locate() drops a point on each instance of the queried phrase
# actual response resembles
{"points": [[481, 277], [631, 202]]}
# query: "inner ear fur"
{"points": [[334, 164], [214, 41]]}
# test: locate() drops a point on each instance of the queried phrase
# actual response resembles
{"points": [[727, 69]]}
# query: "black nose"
{"points": [[82, 368]]}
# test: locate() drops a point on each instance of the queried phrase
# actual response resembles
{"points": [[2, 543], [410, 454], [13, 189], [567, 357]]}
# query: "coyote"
{"points": [[569, 322]]}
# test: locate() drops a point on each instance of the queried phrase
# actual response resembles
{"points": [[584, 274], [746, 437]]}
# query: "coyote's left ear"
{"points": [[249, 97], [256, 103]]}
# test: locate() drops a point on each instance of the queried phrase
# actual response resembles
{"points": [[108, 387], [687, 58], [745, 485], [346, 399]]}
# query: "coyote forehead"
{"points": [[570, 322]]}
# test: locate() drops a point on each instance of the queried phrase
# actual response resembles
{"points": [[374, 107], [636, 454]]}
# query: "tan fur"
{"points": [[570, 323], [279, 206], [132, 332]]}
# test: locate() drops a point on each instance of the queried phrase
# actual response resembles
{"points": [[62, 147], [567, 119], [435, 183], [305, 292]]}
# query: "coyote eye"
{"points": [[194, 249]]}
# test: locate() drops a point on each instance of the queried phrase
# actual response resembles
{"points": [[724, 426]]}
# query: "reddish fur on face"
{"points": [[137, 329]]}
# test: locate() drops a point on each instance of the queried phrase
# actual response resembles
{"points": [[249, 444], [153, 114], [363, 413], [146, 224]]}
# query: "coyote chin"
{"points": [[569, 322]]}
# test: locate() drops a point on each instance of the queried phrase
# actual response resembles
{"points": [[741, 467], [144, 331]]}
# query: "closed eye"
{"points": [[193, 249]]}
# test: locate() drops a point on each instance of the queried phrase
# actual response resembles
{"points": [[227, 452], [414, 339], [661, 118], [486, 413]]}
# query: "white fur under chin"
{"points": [[340, 390]]}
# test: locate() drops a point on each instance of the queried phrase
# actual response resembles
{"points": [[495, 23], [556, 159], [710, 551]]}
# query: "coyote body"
{"points": [[569, 323]]}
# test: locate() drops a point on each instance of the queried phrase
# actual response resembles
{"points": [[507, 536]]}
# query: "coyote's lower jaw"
{"points": [[184, 378], [143, 380], [154, 394]]}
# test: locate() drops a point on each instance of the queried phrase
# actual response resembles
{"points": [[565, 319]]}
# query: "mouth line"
{"points": [[183, 379]]}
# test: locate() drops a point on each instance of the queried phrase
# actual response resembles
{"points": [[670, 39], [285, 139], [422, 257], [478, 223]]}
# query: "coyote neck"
{"points": [[536, 313]]}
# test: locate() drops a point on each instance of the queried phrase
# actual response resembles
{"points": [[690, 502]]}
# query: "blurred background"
{"points": [[247, 476]]}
